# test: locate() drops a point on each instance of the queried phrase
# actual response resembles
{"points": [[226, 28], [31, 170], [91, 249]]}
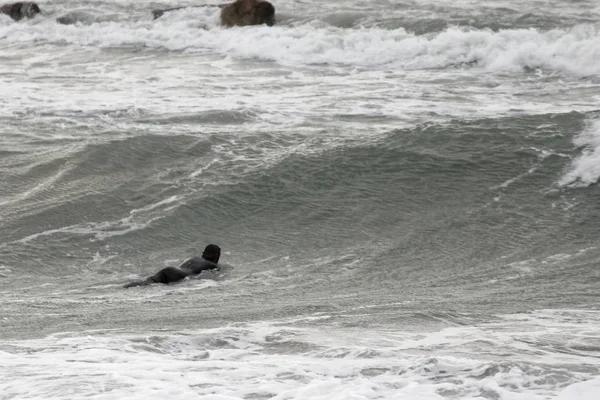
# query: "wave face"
{"points": [[490, 200], [406, 195]]}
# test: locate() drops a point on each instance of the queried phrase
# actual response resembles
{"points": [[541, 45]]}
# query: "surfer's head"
{"points": [[212, 253]]}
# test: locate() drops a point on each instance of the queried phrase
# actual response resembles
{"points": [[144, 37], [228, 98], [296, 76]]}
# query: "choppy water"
{"points": [[405, 193]]}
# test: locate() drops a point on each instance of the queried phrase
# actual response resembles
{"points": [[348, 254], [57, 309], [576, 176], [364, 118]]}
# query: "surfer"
{"points": [[190, 267]]}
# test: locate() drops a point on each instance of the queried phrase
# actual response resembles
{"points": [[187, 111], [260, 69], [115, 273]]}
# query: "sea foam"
{"points": [[585, 169], [570, 50], [512, 359]]}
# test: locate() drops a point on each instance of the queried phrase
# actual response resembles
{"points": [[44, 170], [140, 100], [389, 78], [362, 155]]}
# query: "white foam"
{"points": [[588, 390], [572, 51], [507, 360], [138, 219], [585, 169], [5, 271]]}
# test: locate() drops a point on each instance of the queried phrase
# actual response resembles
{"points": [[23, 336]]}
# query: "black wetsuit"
{"points": [[190, 267]]}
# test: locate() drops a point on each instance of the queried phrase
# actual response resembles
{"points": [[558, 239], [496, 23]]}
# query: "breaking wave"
{"points": [[572, 50]]}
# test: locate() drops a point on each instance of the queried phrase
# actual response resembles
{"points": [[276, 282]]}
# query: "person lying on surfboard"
{"points": [[190, 267]]}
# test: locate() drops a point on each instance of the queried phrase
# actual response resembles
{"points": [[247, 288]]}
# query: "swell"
{"points": [[447, 205]]}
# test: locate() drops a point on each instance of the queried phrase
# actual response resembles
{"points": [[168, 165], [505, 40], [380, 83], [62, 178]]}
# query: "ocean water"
{"points": [[405, 193]]}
